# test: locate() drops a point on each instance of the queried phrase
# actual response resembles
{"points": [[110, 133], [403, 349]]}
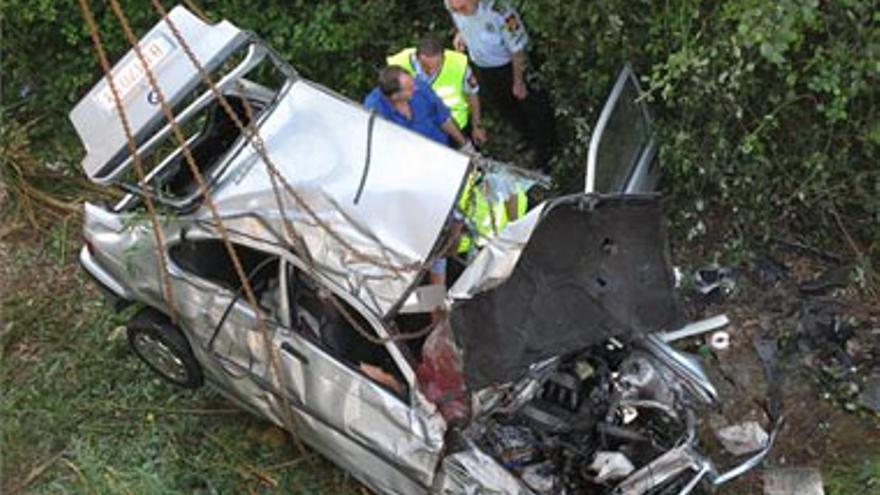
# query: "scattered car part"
{"points": [[743, 438], [870, 396], [793, 481], [714, 279], [695, 328], [720, 341], [660, 471]]}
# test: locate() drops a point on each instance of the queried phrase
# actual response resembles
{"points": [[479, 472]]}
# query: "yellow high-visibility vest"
{"points": [[487, 218], [449, 83]]}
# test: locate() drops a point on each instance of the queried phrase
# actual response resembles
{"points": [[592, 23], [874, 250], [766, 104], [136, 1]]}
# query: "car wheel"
{"points": [[164, 348]]}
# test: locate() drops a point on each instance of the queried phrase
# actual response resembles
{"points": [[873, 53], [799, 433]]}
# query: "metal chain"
{"points": [[275, 366], [259, 146], [167, 291], [257, 143]]}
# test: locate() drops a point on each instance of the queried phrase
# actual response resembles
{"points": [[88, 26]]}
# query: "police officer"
{"points": [[450, 76], [496, 39]]}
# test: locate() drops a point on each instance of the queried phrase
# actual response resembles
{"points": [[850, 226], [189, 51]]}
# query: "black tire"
{"points": [[164, 348]]}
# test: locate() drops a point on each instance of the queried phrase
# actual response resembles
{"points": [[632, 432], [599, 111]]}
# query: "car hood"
{"points": [[573, 273]]}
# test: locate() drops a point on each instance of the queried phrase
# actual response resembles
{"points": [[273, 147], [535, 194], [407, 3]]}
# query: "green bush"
{"points": [[767, 109]]}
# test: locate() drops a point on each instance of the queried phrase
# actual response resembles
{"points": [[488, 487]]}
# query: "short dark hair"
{"points": [[430, 45], [389, 79]]}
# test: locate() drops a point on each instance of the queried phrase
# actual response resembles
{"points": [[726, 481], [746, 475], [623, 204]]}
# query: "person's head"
{"points": [[430, 54], [396, 83], [465, 7]]}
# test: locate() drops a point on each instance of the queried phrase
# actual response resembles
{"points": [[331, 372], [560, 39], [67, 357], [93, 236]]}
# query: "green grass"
{"points": [[80, 414], [858, 479]]}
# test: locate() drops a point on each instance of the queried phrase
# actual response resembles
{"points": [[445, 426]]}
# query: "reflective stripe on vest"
{"points": [[449, 83]]}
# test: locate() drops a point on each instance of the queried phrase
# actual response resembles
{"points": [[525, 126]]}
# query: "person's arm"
{"points": [[452, 131], [515, 39], [478, 132], [518, 65], [458, 42], [471, 89]]}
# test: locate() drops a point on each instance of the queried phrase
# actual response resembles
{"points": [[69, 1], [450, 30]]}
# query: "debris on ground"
{"points": [[744, 438], [720, 341], [793, 481], [714, 281], [834, 278], [870, 396]]}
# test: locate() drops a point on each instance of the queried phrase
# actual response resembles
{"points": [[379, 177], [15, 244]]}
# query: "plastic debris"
{"points": [[720, 341], [714, 279], [696, 328], [793, 481], [743, 438]]}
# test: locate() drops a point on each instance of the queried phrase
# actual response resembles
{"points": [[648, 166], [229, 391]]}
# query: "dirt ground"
{"points": [[827, 341]]}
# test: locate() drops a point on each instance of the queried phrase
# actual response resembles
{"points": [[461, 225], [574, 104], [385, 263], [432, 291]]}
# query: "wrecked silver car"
{"points": [[543, 373]]}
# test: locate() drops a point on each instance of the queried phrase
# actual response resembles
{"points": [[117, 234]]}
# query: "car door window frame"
{"points": [[626, 76], [403, 367]]}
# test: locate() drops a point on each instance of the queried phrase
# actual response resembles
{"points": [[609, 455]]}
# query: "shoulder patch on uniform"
{"points": [[511, 22]]}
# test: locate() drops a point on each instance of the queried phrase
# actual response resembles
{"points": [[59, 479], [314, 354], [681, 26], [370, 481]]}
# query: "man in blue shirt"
{"points": [[406, 101], [413, 104]]}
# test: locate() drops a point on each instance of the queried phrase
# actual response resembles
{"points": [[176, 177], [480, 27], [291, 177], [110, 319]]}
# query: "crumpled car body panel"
{"points": [[592, 269]]}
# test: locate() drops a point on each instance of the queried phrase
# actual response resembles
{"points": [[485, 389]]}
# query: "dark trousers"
{"points": [[532, 117]]}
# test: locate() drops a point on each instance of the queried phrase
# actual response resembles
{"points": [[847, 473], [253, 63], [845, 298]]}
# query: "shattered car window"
{"points": [[210, 132]]}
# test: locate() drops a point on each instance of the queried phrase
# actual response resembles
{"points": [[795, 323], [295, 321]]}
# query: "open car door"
{"points": [[622, 154]]}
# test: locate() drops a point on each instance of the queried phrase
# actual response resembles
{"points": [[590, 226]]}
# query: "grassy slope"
{"points": [[80, 414]]}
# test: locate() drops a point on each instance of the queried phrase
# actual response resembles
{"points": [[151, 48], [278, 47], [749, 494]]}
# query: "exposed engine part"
{"points": [[516, 446], [565, 390], [640, 378], [611, 466], [659, 471], [590, 421], [546, 421], [541, 477]]}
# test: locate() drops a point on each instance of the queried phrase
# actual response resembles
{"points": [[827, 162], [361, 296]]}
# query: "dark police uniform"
{"points": [[493, 34]]}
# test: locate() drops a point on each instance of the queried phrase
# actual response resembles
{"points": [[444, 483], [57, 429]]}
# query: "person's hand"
{"points": [[519, 89], [383, 377], [468, 148], [478, 135], [458, 42]]}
